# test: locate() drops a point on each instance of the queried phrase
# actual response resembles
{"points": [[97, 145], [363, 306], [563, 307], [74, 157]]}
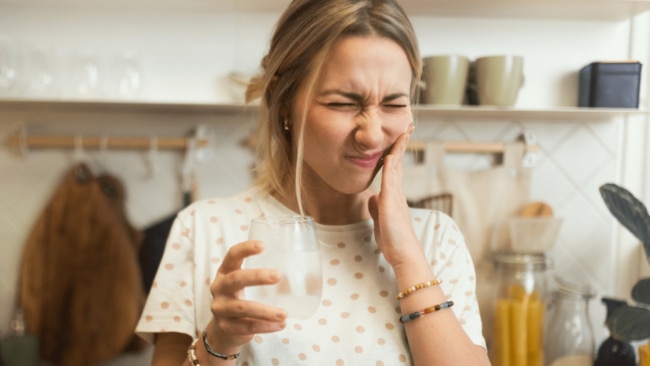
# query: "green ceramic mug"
{"points": [[499, 79], [444, 79]]}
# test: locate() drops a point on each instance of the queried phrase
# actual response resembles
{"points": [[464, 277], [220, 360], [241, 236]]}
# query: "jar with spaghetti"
{"points": [[519, 309]]}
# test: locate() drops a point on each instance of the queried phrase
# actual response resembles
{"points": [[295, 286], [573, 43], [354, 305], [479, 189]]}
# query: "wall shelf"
{"points": [[550, 114], [557, 9], [93, 106], [422, 112], [550, 9]]}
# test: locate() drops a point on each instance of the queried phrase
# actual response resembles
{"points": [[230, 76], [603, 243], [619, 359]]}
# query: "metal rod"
{"points": [[95, 142], [468, 146]]}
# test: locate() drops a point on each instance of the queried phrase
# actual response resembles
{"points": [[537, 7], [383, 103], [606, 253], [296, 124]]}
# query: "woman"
{"points": [[336, 89]]}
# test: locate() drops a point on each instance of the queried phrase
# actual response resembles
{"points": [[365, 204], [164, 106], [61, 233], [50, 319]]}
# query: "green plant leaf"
{"points": [[629, 323], [629, 211], [641, 291]]}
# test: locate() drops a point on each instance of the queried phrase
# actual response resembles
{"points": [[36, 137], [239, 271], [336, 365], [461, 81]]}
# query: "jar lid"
{"points": [[528, 259]]}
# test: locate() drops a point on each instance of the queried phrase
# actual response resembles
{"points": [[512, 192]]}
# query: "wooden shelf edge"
{"points": [[27, 105], [421, 112], [614, 10], [557, 113]]}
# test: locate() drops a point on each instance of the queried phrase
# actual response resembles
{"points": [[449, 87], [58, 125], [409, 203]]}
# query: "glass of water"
{"points": [[291, 248]]}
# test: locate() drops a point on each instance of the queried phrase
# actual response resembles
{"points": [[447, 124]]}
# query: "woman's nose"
{"points": [[369, 133]]}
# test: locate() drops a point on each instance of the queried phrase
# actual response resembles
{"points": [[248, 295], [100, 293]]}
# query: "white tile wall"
{"points": [[574, 160]]}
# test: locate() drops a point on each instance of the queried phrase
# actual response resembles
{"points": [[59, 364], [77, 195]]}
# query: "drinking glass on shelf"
{"points": [[126, 76], [86, 76], [291, 248], [8, 66], [41, 76]]}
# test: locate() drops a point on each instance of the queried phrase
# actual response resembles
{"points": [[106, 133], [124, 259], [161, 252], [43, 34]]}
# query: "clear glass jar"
{"points": [[519, 309], [570, 337]]}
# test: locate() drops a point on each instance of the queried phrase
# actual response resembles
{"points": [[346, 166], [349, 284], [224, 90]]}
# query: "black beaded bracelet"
{"points": [[214, 353], [431, 309]]}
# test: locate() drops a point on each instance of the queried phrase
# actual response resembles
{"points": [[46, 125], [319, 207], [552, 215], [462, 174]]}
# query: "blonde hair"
{"points": [[301, 41]]}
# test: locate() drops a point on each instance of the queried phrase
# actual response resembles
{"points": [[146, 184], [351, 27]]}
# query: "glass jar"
{"points": [[644, 354], [519, 309], [570, 337]]}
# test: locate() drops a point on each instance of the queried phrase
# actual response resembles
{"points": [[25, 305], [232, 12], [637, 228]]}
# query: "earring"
{"points": [[285, 124]]}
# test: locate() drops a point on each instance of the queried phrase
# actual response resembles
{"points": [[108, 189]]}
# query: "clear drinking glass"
{"points": [[8, 66], [291, 248], [126, 77], [86, 76], [41, 76]]}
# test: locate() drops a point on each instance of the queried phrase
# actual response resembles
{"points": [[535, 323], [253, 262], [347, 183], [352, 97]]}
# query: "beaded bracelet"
{"points": [[431, 309], [419, 286], [191, 354], [215, 353]]}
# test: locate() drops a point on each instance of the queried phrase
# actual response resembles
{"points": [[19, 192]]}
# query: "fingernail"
{"points": [[274, 276]]}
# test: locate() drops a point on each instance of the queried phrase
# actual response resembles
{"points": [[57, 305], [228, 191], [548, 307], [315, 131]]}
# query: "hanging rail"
{"points": [[449, 146], [21, 141], [469, 147]]}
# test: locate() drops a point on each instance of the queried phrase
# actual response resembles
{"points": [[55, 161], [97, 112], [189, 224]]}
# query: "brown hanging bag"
{"points": [[80, 284]]}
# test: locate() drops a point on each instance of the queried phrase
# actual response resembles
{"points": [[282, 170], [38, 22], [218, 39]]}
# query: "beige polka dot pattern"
{"points": [[357, 321]]}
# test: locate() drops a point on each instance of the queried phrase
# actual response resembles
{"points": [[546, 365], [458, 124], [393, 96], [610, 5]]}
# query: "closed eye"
{"points": [[342, 105], [395, 105]]}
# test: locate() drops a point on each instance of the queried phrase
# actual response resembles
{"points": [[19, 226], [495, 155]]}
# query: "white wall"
{"points": [[185, 57]]}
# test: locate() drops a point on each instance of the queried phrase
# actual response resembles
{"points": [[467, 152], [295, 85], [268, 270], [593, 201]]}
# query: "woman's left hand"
{"points": [[389, 210]]}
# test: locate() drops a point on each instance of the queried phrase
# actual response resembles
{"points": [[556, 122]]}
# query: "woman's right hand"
{"points": [[235, 320]]}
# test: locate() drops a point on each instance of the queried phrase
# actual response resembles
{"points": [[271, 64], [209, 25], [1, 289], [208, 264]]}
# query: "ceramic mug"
{"points": [[499, 79], [444, 79]]}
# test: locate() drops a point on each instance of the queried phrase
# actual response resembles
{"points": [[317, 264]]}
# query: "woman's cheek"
{"points": [[398, 124]]}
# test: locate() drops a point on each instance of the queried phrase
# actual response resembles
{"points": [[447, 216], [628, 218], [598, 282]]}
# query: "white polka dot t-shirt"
{"points": [[357, 322]]}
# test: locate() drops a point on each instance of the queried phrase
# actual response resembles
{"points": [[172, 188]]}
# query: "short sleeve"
{"points": [[170, 308]]}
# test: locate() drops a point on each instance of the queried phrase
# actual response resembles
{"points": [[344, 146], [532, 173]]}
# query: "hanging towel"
{"points": [[155, 235], [80, 284], [153, 245], [483, 202]]}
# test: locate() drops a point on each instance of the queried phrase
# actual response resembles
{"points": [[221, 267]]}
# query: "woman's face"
{"points": [[360, 105]]}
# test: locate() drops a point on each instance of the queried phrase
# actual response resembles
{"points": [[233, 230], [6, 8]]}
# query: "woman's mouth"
{"points": [[366, 161]]}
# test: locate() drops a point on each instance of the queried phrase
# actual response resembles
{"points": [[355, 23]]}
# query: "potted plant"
{"points": [[627, 321]]}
